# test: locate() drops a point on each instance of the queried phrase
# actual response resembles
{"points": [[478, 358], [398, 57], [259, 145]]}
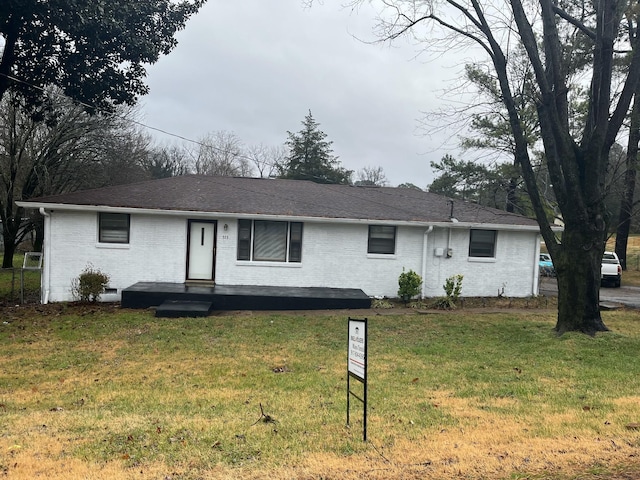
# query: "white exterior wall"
{"points": [[156, 252], [513, 272], [333, 255]]}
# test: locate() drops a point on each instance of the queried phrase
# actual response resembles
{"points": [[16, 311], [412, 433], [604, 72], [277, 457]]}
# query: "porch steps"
{"points": [[183, 308]]}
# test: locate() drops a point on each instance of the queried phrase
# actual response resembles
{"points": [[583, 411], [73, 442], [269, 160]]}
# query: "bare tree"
{"points": [[56, 149], [577, 159], [371, 176], [166, 161], [221, 153], [267, 159], [123, 152]]}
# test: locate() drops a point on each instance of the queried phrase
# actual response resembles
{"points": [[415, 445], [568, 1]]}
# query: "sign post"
{"points": [[357, 365]]}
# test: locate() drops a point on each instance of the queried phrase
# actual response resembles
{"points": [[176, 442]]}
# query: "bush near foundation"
{"points": [[89, 285], [409, 284]]}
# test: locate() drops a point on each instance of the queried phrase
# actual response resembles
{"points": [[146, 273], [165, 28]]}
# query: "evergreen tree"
{"points": [[310, 156], [95, 51]]}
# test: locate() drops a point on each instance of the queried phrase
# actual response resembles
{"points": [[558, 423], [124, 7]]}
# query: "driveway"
{"points": [[625, 295]]}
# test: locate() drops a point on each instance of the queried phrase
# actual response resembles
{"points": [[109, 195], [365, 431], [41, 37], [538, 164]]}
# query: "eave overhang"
{"points": [[52, 207]]}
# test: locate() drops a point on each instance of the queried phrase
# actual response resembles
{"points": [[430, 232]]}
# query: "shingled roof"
{"points": [[290, 198]]}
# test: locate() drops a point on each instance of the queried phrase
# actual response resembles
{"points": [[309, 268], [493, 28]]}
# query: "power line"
{"points": [[144, 125], [196, 142], [101, 110], [126, 118]]}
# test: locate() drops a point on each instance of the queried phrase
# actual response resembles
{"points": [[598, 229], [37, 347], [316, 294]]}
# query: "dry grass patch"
{"points": [[122, 395]]}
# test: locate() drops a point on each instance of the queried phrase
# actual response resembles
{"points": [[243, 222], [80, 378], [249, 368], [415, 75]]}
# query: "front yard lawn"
{"points": [[99, 392]]}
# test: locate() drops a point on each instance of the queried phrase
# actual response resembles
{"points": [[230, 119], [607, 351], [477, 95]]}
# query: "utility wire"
{"points": [[131, 120], [136, 122], [186, 139]]}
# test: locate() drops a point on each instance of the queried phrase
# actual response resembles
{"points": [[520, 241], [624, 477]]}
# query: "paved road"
{"points": [[625, 295]]}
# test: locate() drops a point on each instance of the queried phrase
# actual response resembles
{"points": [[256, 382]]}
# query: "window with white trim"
{"points": [[482, 243], [113, 227], [382, 239], [269, 241]]}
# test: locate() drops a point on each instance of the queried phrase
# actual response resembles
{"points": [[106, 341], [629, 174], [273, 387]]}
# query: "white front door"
{"points": [[201, 254]]}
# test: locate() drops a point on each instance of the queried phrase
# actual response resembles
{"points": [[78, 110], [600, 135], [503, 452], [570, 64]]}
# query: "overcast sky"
{"points": [[256, 67]]}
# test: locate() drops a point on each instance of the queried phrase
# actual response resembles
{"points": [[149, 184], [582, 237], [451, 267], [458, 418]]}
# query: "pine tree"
{"points": [[310, 156]]}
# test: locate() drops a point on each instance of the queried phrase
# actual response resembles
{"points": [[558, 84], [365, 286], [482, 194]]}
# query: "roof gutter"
{"points": [[236, 215]]}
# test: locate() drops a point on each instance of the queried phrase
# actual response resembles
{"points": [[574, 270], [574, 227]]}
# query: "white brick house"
{"points": [[244, 231]]}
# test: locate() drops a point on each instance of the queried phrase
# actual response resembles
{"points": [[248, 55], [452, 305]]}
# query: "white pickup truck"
{"points": [[610, 271]]}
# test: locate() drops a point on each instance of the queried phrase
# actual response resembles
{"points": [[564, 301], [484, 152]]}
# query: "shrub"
{"points": [[381, 303], [409, 285], [452, 289], [89, 285]]}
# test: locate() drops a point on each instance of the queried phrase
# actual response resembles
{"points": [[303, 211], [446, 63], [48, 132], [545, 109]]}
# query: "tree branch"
{"points": [[628, 90], [575, 22]]}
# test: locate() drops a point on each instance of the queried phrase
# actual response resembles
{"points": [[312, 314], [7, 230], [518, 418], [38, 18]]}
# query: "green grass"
{"points": [[10, 283], [122, 386]]}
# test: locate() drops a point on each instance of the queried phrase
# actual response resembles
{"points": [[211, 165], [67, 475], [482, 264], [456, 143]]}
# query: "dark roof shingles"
{"points": [[294, 198]]}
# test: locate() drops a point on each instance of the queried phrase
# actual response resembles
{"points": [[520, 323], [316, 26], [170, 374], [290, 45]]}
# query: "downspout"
{"points": [[45, 282], [536, 270], [453, 220], [424, 259]]}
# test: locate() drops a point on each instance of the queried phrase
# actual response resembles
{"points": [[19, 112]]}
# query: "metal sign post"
{"points": [[357, 365]]}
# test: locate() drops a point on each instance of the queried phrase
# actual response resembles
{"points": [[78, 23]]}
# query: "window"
{"points": [[269, 241], [244, 239], [482, 243], [295, 242], [382, 239], [113, 228]]}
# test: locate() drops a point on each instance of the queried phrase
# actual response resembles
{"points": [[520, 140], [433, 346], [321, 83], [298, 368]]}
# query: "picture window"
{"points": [[269, 241]]}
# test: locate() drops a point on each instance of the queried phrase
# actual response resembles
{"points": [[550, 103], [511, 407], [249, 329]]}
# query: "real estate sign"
{"points": [[358, 348], [357, 366]]}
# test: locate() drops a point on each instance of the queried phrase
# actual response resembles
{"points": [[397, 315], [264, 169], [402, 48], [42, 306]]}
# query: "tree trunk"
{"points": [[578, 261], [38, 227], [626, 205], [9, 247], [11, 235], [624, 219]]}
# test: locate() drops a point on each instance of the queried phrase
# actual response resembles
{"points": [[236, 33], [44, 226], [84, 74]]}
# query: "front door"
{"points": [[201, 252]]}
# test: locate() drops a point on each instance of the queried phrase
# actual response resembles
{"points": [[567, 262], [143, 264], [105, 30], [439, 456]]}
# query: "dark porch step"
{"points": [[244, 297], [183, 308]]}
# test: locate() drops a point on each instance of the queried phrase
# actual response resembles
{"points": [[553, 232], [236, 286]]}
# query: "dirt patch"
{"points": [[11, 311]]}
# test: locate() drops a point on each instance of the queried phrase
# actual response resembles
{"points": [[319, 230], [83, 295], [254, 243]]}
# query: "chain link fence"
{"points": [[21, 284]]}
